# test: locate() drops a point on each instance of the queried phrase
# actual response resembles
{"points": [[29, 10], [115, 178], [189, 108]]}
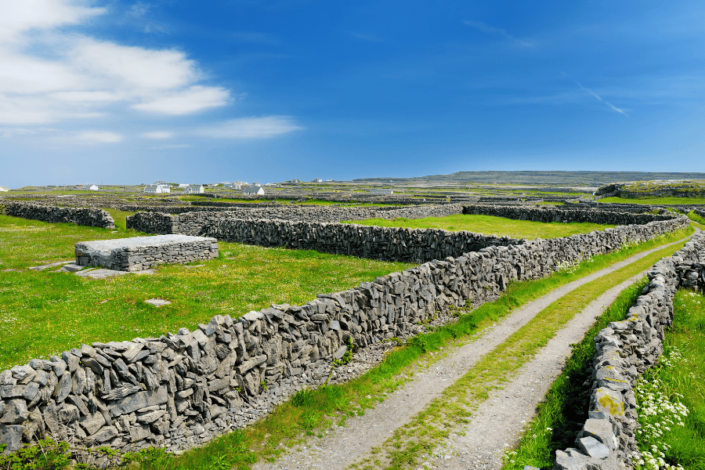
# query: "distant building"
{"points": [[381, 191], [157, 189], [233, 186], [79, 186], [4, 189], [184, 185], [252, 190], [94, 188], [317, 180], [194, 189]]}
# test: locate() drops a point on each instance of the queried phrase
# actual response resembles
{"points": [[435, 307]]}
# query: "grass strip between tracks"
{"points": [[561, 415], [449, 412], [310, 413]]}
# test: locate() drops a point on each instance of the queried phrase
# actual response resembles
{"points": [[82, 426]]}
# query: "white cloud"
{"points": [[158, 135], [189, 101], [99, 137], [251, 128], [75, 76]]}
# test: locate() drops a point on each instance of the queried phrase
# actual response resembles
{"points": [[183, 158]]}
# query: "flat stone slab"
{"points": [[100, 273], [50, 265], [142, 253], [157, 302]]}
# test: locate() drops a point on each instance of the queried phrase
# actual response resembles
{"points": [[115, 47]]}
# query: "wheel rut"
{"points": [[342, 446]]}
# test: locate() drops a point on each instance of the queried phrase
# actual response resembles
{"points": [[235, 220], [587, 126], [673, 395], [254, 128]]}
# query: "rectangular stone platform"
{"points": [[140, 253]]}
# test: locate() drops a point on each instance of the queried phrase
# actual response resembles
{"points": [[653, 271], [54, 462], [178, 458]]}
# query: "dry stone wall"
{"points": [[181, 390], [624, 351], [550, 214], [79, 216]]}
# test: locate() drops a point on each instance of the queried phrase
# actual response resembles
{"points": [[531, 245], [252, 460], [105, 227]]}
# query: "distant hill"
{"points": [[586, 178]]}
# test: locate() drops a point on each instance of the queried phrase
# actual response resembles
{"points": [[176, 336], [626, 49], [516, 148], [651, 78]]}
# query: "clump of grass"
{"points": [[490, 225]]}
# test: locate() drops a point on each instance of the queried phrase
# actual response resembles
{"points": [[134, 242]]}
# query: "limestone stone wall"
{"points": [[551, 214], [624, 351], [80, 216], [182, 389]]}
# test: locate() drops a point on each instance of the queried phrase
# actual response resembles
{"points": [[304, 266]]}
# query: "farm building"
{"points": [[94, 188], [194, 189], [157, 189], [252, 190], [4, 189], [381, 191], [235, 185]]}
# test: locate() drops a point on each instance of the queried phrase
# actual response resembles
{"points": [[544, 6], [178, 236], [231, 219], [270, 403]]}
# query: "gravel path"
{"points": [[342, 446], [505, 410]]}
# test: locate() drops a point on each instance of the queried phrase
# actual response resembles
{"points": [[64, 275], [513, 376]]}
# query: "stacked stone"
{"points": [[699, 212], [79, 216], [625, 350], [182, 389], [551, 214], [141, 253], [391, 244]]}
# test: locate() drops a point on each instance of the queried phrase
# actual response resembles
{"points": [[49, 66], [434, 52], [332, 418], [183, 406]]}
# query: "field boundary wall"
{"points": [[80, 216], [625, 350], [550, 214]]}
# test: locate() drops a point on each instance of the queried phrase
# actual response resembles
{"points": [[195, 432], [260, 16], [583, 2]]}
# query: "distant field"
{"points": [[490, 225], [43, 313], [655, 201]]}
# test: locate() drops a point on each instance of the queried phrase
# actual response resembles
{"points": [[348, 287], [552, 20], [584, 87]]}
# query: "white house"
{"points": [[194, 189], [251, 190], [233, 186], [157, 189], [184, 185], [94, 187], [381, 191], [317, 180], [4, 189]]}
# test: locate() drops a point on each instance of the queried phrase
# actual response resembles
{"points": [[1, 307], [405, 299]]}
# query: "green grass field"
{"points": [[490, 225], [655, 201], [43, 313]]}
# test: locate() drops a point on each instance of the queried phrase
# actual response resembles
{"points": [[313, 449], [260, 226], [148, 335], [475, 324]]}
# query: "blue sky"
{"points": [[111, 91]]}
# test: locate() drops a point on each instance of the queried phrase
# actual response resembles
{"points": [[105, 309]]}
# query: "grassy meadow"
{"points": [[43, 313], [490, 225], [655, 200]]}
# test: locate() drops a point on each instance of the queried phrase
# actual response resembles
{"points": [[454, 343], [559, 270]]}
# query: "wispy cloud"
{"points": [[251, 128], [600, 99], [100, 137], [158, 135], [365, 37], [485, 28]]}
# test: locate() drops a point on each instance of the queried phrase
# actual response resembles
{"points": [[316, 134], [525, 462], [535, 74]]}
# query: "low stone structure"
{"points": [[80, 216], [625, 350], [140, 253]]}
